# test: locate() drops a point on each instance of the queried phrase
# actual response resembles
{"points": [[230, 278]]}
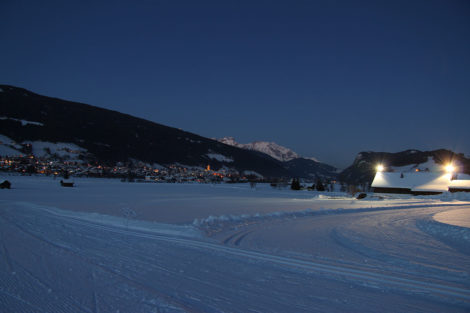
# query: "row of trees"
{"points": [[320, 186]]}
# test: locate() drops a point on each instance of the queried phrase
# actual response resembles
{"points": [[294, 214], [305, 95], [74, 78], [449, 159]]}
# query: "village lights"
{"points": [[380, 168], [450, 168]]}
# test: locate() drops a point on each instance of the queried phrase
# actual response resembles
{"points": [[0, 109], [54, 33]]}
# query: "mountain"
{"points": [[109, 136], [363, 168], [308, 168], [270, 148]]}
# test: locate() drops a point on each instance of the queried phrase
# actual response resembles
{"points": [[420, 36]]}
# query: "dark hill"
{"points": [[111, 136], [309, 169]]}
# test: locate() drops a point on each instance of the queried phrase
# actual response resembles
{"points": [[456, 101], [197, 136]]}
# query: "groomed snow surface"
{"points": [[108, 246]]}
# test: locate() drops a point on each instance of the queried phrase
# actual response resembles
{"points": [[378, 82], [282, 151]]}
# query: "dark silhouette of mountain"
{"points": [[310, 169], [363, 168], [110, 136]]}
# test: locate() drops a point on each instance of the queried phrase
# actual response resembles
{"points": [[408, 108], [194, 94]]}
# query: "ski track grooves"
{"points": [[239, 240], [400, 283], [241, 235], [137, 283]]}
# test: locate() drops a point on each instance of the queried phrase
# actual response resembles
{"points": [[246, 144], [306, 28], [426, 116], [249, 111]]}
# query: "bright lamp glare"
{"points": [[380, 168], [450, 168]]}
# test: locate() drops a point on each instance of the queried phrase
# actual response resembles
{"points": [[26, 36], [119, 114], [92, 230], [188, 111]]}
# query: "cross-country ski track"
{"points": [[119, 268]]}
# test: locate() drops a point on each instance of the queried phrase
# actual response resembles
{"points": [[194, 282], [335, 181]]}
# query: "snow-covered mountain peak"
{"points": [[229, 141], [274, 150]]}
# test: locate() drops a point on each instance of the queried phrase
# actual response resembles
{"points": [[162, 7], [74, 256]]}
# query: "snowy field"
{"points": [[108, 246]]}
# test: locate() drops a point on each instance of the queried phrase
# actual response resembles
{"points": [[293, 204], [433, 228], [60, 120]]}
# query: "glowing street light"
{"points": [[380, 168]]}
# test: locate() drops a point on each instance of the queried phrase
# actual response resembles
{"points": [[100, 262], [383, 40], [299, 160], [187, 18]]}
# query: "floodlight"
{"points": [[450, 168], [380, 168]]}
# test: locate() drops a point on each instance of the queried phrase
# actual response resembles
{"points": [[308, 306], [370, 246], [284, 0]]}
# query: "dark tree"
{"points": [[295, 185], [31, 169], [320, 186]]}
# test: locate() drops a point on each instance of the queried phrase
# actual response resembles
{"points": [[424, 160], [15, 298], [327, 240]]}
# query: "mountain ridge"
{"points": [[307, 168], [272, 149], [112, 136]]}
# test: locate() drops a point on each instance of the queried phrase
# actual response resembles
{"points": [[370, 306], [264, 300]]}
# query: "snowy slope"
{"points": [[8, 147], [430, 165]]}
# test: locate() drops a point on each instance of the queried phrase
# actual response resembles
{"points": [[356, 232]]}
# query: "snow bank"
{"points": [[448, 196], [213, 220], [128, 220], [216, 223]]}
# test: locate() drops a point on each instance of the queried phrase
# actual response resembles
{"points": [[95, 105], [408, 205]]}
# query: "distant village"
{"points": [[67, 161], [141, 172], [130, 171]]}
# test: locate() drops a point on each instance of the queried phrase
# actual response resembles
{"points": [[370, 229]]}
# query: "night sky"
{"points": [[325, 78]]}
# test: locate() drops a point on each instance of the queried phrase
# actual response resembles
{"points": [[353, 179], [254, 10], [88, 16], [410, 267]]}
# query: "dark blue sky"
{"points": [[326, 78]]}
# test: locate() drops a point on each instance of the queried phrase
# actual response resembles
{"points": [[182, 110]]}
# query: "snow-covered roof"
{"points": [[417, 181], [460, 184], [437, 184]]}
